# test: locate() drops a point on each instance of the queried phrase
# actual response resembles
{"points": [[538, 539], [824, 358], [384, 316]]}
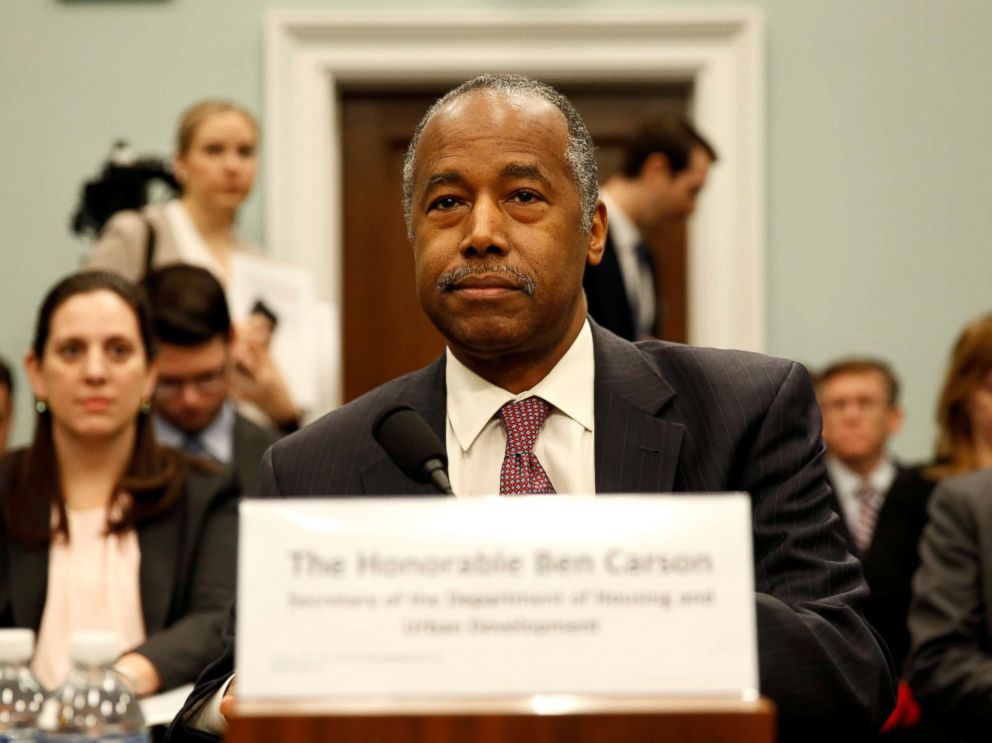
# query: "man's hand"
{"points": [[230, 699]]}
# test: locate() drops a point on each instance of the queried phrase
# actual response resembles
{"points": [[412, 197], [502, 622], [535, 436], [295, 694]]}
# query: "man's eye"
{"points": [[246, 151], [443, 203], [526, 197]]}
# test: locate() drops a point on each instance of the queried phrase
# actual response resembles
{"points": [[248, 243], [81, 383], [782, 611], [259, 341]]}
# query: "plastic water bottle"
{"points": [[94, 704], [21, 696]]}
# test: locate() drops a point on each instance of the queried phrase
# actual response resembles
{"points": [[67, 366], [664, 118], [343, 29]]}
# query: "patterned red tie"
{"points": [[522, 473]]}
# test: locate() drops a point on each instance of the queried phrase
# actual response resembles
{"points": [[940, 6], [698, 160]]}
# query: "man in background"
{"points": [[665, 166], [6, 403], [193, 410], [859, 399], [881, 504]]}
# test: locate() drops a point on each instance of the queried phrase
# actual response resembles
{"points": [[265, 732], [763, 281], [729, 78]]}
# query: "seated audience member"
{"points": [[103, 528], [6, 403], [859, 399], [503, 213], [214, 163], [192, 407], [950, 620]]}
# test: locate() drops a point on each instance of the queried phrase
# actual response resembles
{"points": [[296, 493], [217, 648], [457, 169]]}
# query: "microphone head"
{"points": [[409, 441]]}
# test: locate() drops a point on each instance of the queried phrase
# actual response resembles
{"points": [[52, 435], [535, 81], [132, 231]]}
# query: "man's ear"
{"points": [[656, 164], [597, 235], [895, 421]]}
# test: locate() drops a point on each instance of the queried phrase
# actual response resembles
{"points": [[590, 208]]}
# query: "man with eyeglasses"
{"points": [[882, 504], [192, 407]]}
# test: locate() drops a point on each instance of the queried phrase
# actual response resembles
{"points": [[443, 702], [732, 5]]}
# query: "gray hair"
{"points": [[580, 155]]}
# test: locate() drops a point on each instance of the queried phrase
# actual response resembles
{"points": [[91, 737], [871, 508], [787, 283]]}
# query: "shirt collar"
{"points": [[217, 438], [568, 387], [623, 232], [849, 481]]}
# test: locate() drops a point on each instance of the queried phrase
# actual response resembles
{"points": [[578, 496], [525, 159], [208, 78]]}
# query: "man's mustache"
{"points": [[521, 280]]}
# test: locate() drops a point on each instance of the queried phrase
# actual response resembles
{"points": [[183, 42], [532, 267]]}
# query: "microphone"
{"points": [[413, 446]]}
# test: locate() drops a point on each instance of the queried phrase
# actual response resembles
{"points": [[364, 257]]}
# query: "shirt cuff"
{"points": [[208, 718]]}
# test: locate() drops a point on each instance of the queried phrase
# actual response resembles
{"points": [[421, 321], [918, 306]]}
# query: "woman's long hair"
{"points": [[155, 477], [971, 362]]}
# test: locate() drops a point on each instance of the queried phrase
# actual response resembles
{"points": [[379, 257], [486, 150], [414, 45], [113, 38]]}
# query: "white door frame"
{"points": [[308, 55]]}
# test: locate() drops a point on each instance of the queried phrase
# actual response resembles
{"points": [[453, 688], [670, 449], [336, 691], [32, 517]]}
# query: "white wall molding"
{"points": [[309, 54]]}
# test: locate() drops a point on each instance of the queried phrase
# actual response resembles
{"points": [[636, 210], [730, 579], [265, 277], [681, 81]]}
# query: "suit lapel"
{"points": [[28, 585], [637, 450], [161, 547], [425, 392]]}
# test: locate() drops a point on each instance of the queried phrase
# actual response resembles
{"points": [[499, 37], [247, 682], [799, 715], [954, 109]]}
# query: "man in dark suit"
{"points": [[503, 213], [665, 166], [882, 504], [193, 410]]}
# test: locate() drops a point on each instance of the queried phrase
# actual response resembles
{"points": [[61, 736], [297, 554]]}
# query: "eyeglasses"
{"points": [[207, 383]]}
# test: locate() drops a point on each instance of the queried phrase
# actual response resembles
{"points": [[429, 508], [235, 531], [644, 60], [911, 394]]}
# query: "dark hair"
{"points": [[6, 376], [861, 365], [672, 136], [187, 304], [580, 154], [971, 361], [155, 477]]}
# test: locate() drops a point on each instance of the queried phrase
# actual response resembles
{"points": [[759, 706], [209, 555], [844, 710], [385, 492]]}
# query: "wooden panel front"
{"points": [[756, 725]]}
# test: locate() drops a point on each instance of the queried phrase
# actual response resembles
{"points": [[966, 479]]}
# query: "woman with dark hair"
{"points": [[950, 667], [102, 528]]}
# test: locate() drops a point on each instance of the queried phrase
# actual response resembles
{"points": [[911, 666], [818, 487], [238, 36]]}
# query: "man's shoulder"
{"points": [[352, 422], [685, 365]]}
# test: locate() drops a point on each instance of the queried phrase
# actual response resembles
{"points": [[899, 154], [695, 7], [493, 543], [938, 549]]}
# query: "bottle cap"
{"points": [[93, 648], [16, 645]]}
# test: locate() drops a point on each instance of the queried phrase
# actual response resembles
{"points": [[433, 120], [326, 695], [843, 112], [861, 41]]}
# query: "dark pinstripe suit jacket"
{"points": [[681, 419]]}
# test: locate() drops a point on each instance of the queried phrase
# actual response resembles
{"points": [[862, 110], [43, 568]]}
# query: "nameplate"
{"points": [[618, 595]]}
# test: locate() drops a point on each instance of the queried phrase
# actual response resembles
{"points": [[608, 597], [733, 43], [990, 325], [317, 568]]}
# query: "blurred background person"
{"points": [[215, 163], [6, 403], [859, 399], [950, 667], [192, 408], [665, 166], [880, 502], [102, 527]]}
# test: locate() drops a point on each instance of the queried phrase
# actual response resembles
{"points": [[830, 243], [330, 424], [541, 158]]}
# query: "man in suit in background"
{"points": [[859, 398], [502, 207], [665, 166], [192, 408], [6, 403]]}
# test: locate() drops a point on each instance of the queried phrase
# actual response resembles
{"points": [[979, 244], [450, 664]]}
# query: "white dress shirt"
{"points": [[847, 482], [476, 441], [638, 283]]}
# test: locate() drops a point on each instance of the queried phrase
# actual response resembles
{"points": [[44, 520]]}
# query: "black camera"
{"points": [[125, 183]]}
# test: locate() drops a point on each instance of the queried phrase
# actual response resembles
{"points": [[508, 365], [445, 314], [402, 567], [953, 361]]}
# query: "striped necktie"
{"points": [[867, 498]]}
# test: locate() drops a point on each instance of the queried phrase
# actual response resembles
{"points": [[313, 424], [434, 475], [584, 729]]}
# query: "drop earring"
{"points": [[41, 406], [146, 406]]}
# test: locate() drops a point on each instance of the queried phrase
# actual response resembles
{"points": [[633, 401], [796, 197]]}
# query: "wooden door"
{"points": [[386, 334]]}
